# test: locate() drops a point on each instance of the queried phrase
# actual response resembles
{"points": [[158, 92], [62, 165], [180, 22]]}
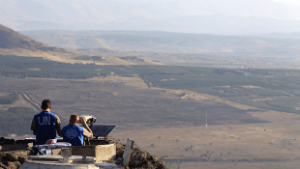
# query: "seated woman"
{"points": [[74, 133]]}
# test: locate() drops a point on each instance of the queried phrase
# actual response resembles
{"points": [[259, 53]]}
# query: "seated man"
{"points": [[45, 124], [74, 133]]}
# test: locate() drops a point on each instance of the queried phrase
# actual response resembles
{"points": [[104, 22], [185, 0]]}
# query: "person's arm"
{"points": [[58, 126], [33, 126], [86, 130], [86, 133]]}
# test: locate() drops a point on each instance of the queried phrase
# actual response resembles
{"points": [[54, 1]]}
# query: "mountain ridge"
{"points": [[14, 43], [10, 39], [234, 16]]}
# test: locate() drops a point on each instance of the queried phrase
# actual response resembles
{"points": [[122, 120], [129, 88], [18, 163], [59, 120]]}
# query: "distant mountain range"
{"points": [[155, 41], [230, 17]]}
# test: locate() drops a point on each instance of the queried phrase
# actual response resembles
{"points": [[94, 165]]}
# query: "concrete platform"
{"points": [[76, 163], [100, 152]]}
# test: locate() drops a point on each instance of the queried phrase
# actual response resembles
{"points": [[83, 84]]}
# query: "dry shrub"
{"points": [[138, 158], [2, 156], [11, 157], [14, 165], [141, 159], [4, 166], [11, 161], [120, 150], [22, 159]]}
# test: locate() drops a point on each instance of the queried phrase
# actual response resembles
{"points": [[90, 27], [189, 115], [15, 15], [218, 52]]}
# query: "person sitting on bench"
{"points": [[74, 133]]}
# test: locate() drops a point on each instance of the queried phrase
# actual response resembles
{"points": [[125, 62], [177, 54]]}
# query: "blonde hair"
{"points": [[73, 118]]}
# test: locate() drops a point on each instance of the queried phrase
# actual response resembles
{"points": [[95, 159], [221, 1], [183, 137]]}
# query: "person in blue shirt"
{"points": [[45, 124], [74, 133]]}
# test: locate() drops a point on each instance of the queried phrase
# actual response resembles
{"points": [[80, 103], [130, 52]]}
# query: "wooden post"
{"points": [[127, 152]]}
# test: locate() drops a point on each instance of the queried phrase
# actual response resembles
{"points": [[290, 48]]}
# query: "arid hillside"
{"points": [[14, 43], [10, 39]]}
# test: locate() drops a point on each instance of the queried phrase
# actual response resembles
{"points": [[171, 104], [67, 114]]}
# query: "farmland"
{"points": [[271, 89], [163, 108]]}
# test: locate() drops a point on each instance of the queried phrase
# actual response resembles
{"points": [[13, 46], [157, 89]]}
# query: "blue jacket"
{"points": [[45, 127], [73, 134]]}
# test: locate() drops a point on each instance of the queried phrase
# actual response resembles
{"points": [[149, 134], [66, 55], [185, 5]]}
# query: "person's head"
{"points": [[46, 104], [74, 119]]}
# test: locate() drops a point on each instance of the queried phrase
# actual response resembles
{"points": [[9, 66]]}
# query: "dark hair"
{"points": [[73, 118], [45, 104]]}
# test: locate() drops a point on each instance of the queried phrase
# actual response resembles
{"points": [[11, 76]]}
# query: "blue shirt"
{"points": [[45, 127], [73, 134]]}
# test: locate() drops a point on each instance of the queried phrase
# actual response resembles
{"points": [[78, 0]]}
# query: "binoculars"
{"points": [[89, 119]]}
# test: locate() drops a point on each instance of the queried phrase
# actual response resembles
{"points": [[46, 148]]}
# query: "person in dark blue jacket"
{"points": [[45, 124], [74, 133]]}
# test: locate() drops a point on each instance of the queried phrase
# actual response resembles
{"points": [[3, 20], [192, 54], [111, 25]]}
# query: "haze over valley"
{"points": [[261, 51], [201, 84]]}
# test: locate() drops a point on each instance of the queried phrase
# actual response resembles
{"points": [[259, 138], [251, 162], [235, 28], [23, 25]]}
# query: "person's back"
{"points": [[45, 124], [73, 133]]}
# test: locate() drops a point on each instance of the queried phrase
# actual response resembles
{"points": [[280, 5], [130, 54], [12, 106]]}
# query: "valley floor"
{"points": [[169, 126]]}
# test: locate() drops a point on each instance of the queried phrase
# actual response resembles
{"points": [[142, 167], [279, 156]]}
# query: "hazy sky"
{"points": [[297, 2], [193, 16]]}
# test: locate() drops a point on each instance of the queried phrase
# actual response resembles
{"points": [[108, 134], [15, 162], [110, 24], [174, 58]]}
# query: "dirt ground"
{"points": [[267, 145]]}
